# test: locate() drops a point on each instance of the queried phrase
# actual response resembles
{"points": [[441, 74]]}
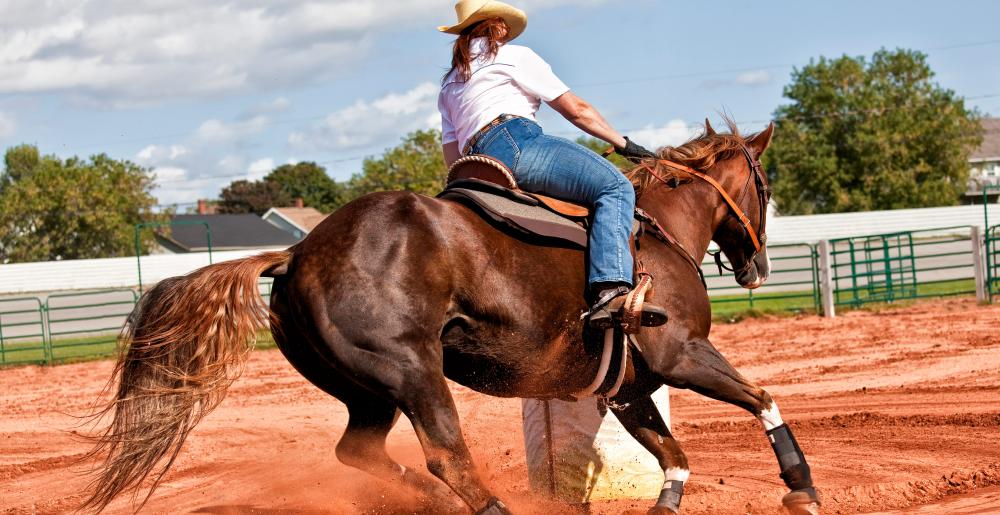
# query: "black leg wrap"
{"points": [[494, 507], [794, 469], [670, 496]]}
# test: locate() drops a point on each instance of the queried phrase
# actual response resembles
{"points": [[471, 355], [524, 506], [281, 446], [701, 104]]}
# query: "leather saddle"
{"points": [[488, 188]]}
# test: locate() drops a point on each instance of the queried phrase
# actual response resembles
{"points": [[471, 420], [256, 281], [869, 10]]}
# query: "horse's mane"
{"points": [[700, 153]]}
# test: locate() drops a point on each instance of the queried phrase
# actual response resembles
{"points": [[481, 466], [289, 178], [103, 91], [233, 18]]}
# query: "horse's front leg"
{"points": [[642, 420], [698, 366]]}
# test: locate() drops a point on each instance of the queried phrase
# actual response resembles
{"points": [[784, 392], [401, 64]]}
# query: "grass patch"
{"points": [[733, 308], [937, 289], [80, 349]]}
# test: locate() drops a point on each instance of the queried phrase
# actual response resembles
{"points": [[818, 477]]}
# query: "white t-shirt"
{"points": [[515, 82]]}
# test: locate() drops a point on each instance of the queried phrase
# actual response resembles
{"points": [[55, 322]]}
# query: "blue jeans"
{"points": [[566, 170]]}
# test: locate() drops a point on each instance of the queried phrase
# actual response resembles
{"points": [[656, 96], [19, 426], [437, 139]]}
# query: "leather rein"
{"points": [[758, 238]]}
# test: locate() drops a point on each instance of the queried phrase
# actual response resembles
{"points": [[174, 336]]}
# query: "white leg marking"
{"points": [[770, 417], [675, 474]]}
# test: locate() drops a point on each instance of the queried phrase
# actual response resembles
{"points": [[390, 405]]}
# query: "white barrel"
{"points": [[578, 453]]}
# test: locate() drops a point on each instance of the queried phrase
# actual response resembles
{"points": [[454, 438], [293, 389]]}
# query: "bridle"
{"points": [[757, 236]]}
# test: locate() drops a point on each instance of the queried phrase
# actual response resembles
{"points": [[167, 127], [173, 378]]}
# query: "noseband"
{"points": [[757, 237]]}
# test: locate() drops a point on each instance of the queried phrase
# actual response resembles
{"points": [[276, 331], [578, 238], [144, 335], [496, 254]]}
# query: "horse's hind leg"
{"points": [[431, 409], [362, 445], [642, 420], [409, 375], [700, 367]]}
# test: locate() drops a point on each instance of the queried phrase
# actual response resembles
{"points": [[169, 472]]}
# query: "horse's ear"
{"points": [[762, 140], [709, 131]]}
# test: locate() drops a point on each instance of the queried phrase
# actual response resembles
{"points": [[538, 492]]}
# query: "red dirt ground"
{"points": [[898, 411]]}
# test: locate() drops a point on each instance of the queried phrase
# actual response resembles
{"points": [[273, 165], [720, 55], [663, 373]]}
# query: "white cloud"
{"points": [[170, 174], [753, 78], [278, 105], [153, 154], [7, 125], [129, 52], [370, 122], [217, 131], [672, 134], [259, 168]]}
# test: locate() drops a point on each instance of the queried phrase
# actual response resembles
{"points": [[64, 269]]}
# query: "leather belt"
{"points": [[486, 128]]}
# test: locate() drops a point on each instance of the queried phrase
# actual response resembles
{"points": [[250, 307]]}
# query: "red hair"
{"points": [[495, 31]]}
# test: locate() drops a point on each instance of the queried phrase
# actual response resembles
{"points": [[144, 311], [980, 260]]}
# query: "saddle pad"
{"points": [[518, 217]]}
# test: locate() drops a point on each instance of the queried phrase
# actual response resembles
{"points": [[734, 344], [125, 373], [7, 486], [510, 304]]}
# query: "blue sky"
{"points": [[209, 92]]}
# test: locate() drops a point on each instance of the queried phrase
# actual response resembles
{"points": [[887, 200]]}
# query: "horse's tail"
{"points": [[182, 347]]}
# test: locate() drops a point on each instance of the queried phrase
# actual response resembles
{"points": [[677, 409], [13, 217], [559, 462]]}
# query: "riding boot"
{"points": [[609, 309]]}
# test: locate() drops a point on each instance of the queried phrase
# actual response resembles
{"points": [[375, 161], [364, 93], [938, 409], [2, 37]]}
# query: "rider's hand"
{"points": [[633, 151]]}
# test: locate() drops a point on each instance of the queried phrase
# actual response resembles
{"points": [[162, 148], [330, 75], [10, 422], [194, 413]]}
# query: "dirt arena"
{"points": [[897, 410]]}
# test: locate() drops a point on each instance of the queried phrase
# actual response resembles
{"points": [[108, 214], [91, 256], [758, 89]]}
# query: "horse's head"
{"points": [[742, 238], [734, 187]]}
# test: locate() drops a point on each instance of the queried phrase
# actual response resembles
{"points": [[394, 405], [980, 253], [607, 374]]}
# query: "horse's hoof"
{"points": [[660, 510], [801, 502]]}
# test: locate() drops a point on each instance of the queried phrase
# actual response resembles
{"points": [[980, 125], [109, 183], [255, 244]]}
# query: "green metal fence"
{"points": [[992, 244], [68, 326], [22, 332], [792, 286]]}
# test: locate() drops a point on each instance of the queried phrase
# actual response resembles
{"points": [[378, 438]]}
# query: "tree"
{"points": [[54, 209], [19, 161], [870, 134], [308, 181], [417, 164], [252, 197]]}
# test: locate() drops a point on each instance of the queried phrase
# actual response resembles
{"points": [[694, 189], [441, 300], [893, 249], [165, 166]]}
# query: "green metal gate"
{"points": [[992, 242], [86, 324], [22, 332], [878, 268]]}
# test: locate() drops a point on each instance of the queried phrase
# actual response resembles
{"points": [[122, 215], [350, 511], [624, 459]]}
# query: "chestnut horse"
{"points": [[395, 292]]}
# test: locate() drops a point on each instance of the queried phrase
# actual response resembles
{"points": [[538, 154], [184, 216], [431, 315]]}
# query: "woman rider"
{"points": [[488, 102]]}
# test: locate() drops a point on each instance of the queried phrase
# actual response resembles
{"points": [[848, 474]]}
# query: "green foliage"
{"points": [[18, 162], [870, 134], [308, 181], [280, 188], [600, 147], [255, 197], [417, 164], [54, 209]]}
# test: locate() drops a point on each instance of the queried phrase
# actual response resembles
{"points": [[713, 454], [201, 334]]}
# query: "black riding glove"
{"points": [[633, 151]]}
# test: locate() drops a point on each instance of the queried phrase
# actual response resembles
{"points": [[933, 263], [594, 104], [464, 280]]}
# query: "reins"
{"points": [[740, 214]]}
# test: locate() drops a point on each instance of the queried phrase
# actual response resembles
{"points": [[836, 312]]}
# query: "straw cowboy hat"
{"points": [[472, 11]]}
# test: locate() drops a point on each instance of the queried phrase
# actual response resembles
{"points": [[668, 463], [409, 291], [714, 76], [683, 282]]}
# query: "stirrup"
{"points": [[627, 309]]}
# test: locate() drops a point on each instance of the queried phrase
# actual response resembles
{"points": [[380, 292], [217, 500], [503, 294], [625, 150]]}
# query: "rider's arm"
{"points": [[579, 112], [451, 153]]}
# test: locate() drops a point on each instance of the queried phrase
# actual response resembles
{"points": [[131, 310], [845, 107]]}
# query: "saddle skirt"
{"points": [[487, 187]]}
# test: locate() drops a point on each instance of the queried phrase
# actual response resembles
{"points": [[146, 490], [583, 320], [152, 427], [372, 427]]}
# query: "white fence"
{"points": [[86, 274], [813, 228]]}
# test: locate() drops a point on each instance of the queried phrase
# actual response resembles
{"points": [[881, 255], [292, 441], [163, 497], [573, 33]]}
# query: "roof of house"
{"points": [[305, 218], [990, 149], [229, 232]]}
